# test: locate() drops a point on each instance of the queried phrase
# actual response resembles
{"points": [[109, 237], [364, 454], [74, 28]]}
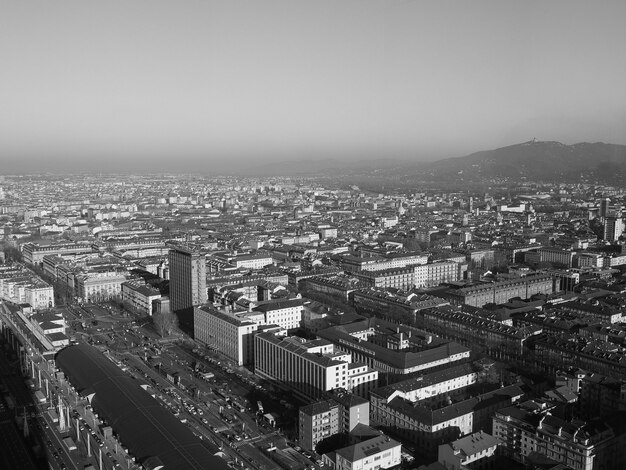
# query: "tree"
{"points": [[164, 323]]}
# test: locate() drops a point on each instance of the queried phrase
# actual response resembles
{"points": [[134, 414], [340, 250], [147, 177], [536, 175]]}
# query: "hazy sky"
{"points": [[148, 82]]}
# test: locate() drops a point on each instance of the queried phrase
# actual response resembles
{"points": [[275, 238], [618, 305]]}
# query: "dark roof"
{"points": [[269, 306], [142, 424], [401, 359]]}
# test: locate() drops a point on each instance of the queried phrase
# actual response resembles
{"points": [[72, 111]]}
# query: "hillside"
{"points": [[535, 160]]}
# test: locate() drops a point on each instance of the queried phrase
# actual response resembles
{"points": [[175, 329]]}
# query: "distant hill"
{"points": [[535, 160]]}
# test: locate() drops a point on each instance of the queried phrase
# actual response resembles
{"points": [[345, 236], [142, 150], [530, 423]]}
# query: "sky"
{"points": [[202, 85]]}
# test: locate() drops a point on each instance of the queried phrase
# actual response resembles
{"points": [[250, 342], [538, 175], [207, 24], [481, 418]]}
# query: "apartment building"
{"points": [[556, 256], [501, 291], [138, 297], [481, 333], [429, 424], [39, 294], [559, 352], [580, 445], [34, 252], [388, 261], [430, 385], [433, 274], [225, 332], [371, 454], [339, 285], [382, 301], [252, 261], [308, 368], [317, 422], [394, 350], [285, 313], [475, 451], [396, 278], [339, 414]]}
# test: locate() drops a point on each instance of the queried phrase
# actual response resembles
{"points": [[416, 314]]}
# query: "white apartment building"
{"points": [[27, 288], [98, 287], [433, 274], [430, 385], [308, 368], [39, 295], [361, 379], [226, 332], [285, 313], [372, 454], [139, 297], [256, 261]]}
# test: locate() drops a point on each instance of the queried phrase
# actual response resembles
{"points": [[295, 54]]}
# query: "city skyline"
{"points": [[216, 84]]}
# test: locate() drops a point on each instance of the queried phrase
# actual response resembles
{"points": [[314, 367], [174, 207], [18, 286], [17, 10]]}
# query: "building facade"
{"points": [[187, 279], [225, 332], [308, 368]]}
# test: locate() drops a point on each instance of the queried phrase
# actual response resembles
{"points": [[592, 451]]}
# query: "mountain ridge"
{"points": [[535, 160]]}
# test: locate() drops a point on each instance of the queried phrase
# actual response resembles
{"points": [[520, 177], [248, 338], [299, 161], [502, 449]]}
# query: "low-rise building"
{"points": [[372, 454], [475, 451], [500, 292]]}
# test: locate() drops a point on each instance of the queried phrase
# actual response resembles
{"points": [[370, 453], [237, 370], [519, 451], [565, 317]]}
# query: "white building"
{"points": [[308, 368], [226, 332], [433, 274], [372, 454], [99, 287], [39, 295], [255, 261], [430, 385], [139, 296], [456, 455], [285, 313]]}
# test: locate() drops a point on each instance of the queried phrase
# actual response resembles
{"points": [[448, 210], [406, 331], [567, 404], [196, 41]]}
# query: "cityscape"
{"points": [[313, 235], [211, 322]]}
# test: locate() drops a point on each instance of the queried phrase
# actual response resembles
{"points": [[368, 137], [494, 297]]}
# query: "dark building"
{"points": [[187, 283]]}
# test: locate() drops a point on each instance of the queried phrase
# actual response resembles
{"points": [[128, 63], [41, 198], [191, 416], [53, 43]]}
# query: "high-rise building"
{"points": [[613, 227], [604, 206], [187, 279]]}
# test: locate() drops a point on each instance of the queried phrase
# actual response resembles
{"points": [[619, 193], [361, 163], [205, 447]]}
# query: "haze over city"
{"points": [[205, 85]]}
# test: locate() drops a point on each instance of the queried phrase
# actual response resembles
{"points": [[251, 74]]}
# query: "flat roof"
{"points": [[149, 431]]}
